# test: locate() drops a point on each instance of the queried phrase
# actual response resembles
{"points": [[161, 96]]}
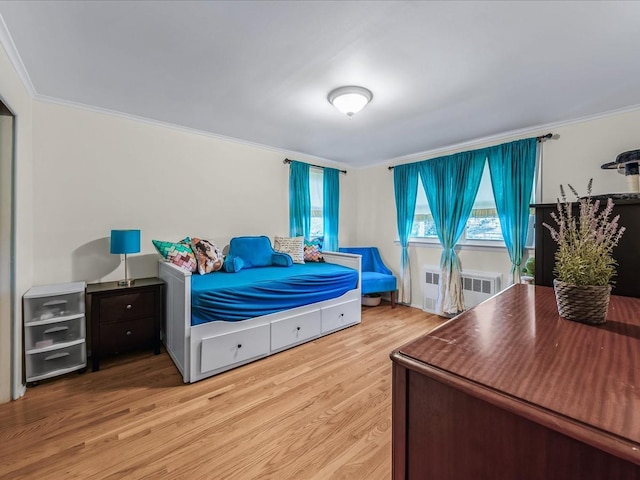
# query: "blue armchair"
{"points": [[376, 277]]}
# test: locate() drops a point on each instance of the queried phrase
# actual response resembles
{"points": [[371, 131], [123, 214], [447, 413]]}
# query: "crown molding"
{"points": [[506, 136], [14, 57], [193, 131]]}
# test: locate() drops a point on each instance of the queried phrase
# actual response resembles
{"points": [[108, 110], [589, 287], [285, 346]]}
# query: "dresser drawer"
{"points": [[235, 347], [126, 307], [123, 337], [293, 330]]}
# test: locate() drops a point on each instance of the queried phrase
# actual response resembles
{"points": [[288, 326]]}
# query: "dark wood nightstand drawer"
{"points": [[124, 318], [126, 307], [124, 337]]}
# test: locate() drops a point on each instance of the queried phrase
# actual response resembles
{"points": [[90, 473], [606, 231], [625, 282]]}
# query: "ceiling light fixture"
{"points": [[350, 100]]}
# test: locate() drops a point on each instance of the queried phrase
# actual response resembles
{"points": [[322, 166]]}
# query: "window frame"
{"points": [[488, 244]]}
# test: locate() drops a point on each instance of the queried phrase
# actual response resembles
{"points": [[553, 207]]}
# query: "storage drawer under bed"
{"points": [[341, 315], [235, 347], [295, 329]]}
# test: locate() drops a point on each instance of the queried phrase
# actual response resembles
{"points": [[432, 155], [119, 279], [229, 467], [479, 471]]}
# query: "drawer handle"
{"points": [[128, 307], [239, 345], [56, 355], [341, 315], [55, 329], [128, 332], [298, 328]]}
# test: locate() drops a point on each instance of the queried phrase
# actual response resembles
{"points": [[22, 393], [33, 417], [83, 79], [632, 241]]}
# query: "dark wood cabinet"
{"points": [[124, 318], [510, 390], [627, 253]]}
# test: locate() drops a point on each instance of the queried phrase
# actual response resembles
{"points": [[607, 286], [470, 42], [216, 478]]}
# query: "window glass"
{"points": [[423, 225], [316, 190], [483, 223]]}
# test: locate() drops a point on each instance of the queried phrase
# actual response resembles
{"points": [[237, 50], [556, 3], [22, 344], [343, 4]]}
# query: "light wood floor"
{"points": [[318, 411]]}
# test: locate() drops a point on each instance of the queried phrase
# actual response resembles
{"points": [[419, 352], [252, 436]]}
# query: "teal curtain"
{"points": [[331, 213], [299, 200], [512, 167], [405, 183], [451, 184]]}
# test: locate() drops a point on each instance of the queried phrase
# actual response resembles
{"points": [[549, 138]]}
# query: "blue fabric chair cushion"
{"points": [[374, 282]]}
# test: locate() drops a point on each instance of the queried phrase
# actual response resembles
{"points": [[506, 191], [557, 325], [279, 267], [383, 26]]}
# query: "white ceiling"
{"points": [[442, 73]]}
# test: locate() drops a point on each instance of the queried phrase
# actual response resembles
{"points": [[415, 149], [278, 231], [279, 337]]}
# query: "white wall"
{"points": [[94, 172], [582, 147], [14, 96], [573, 158]]}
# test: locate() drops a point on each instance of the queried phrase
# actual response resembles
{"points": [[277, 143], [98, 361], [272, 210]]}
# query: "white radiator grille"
{"points": [[476, 287]]}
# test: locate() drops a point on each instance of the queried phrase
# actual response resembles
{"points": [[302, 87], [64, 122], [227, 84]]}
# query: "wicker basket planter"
{"points": [[372, 300], [585, 304]]}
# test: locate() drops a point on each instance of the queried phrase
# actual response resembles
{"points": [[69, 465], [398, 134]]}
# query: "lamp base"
{"points": [[127, 282]]}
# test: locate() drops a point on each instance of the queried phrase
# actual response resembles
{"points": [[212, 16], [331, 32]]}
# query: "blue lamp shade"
{"points": [[125, 241]]}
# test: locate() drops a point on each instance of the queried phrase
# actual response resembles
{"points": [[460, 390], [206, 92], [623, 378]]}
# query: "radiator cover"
{"points": [[477, 286]]}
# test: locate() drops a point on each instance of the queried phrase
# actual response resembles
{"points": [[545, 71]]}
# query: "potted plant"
{"points": [[371, 299], [584, 264], [528, 271]]}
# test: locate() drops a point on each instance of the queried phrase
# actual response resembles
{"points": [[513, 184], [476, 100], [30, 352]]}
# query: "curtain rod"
{"points": [[541, 138], [286, 160]]}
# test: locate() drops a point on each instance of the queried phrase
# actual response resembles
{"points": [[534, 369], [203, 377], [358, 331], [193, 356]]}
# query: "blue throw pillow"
{"points": [[233, 264]]}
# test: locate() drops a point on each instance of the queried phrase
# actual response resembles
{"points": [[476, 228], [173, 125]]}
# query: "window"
{"points": [[316, 190], [423, 225], [483, 223]]}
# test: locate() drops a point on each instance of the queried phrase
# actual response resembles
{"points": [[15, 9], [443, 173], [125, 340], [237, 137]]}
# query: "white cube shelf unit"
{"points": [[54, 330]]}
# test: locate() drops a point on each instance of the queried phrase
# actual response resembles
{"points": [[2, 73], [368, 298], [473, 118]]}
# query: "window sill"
{"points": [[477, 245]]}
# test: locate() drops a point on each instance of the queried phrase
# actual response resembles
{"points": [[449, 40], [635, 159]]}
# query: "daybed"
{"points": [[205, 349]]}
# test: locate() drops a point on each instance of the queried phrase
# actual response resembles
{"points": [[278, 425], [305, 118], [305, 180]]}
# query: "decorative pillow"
{"points": [[254, 251], [233, 264], [313, 250], [294, 247], [178, 253], [208, 255]]}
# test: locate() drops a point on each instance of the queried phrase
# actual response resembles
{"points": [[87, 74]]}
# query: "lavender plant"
{"points": [[585, 243]]}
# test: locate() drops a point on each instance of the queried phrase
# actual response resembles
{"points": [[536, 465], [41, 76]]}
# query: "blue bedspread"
{"points": [[260, 291]]}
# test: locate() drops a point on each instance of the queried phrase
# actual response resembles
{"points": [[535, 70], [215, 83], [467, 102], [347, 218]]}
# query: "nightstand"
{"points": [[124, 318]]}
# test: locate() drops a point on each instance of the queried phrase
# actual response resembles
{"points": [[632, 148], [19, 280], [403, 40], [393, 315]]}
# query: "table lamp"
{"points": [[125, 241]]}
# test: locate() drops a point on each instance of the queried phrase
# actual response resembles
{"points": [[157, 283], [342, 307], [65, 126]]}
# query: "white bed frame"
{"points": [[201, 351]]}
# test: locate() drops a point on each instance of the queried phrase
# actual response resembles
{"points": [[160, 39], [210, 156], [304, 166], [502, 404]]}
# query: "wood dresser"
{"points": [[627, 253], [509, 390]]}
